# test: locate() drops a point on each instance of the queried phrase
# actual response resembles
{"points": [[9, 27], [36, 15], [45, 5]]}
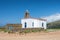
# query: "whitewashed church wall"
{"points": [[37, 23]]}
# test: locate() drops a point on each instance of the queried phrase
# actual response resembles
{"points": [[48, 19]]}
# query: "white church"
{"points": [[29, 22]]}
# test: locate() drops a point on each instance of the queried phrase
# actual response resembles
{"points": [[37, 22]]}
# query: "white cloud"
{"points": [[52, 18]]}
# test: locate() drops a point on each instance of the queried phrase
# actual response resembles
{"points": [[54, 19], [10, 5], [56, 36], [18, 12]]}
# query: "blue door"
{"points": [[25, 24]]}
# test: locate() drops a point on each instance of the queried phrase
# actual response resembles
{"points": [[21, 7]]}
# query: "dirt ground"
{"points": [[31, 36]]}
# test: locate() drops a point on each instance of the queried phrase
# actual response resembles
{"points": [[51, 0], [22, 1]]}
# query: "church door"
{"points": [[25, 24]]}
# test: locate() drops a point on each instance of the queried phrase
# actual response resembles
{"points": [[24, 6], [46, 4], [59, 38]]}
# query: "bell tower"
{"points": [[27, 14]]}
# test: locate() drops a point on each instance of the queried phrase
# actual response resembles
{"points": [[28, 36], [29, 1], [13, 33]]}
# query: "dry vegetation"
{"points": [[42, 35]]}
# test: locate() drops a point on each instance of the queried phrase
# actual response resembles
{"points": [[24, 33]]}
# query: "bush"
{"points": [[5, 30], [10, 32], [34, 30], [26, 31]]}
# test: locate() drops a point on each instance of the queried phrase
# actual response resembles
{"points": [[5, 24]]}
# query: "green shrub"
{"points": [[26, 31], [5, 30], [0, 30], [35, 30]]}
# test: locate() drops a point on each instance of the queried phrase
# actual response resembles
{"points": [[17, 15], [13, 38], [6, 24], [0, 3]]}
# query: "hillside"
{"points": [[55, 24]]}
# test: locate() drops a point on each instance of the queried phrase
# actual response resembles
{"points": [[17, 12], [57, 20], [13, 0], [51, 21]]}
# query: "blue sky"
{"points": [[11, 11]]}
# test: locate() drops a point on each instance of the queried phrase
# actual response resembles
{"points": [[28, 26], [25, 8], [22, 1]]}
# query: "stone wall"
{"points": [[15, 27]]}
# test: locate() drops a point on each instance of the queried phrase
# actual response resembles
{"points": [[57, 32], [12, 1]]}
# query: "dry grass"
{"points": [[31, 36]]}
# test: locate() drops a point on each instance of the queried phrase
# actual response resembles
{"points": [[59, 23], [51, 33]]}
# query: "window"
{"points": [[42, 24], [33, 24], [25, 24], [10, 28]]}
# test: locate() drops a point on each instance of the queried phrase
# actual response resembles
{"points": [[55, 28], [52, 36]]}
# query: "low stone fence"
{"points": [[27, 30]]}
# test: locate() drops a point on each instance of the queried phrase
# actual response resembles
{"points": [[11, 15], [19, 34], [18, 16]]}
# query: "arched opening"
{"points": [[42, 24], [33, 24], [25, 24]]}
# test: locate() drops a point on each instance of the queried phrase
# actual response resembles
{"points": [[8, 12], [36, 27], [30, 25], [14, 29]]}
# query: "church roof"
{"points": [[37, 19]]}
